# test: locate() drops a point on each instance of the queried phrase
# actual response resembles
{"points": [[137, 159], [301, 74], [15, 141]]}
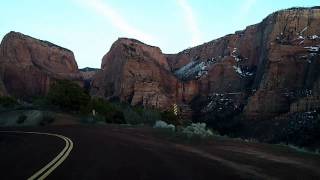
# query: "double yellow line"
{"points": [[52, 165]]}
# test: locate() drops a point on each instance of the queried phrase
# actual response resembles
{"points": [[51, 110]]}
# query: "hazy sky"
{"points": [[89, 27]]}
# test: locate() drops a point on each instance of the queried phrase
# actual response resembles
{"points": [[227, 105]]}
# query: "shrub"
{"points": [[40, 101], [104, 110], [120, 113], [197, 130], [132, 117], [171, 118], [21, 119], [150, 116], [90, 119], [140, 115], [302, 129], [115, 117], [7, 101], [164, 125], [68, 95], [143, 115], [47, 118]]}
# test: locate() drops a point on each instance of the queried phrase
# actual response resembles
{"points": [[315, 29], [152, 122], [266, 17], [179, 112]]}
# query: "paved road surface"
{"points": [[110, 152]]}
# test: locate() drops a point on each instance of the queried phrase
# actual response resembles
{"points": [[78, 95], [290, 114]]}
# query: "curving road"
{"points": [[111, 152], [53, 164]]}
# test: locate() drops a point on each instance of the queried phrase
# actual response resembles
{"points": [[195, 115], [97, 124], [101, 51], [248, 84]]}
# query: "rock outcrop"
{"points": [[291, 66], [272, 64], [28, 66], [259, 72], [88, 73], [136, 73]]}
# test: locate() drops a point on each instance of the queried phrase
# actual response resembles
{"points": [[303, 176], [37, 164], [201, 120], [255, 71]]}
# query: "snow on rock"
{"points": [[242, 72], [194, 70], [302, 38], [236, 55], [313, 48], [313, 54], [314, 37], [303, 30], [219, 103]]}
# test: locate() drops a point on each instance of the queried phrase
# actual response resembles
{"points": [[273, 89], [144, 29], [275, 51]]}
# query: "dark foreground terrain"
{"points": [[112, 152]]}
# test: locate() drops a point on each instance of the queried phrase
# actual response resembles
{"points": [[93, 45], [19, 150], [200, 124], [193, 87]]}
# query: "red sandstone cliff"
{"points": [[259, 71], [136, 73], [28, 65]]}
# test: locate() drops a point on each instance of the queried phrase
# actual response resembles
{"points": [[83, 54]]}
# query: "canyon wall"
{"points": [[28, 66]]}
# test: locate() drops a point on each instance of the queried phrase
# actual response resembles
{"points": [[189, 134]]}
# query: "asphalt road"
{"points": [[111, 152]]}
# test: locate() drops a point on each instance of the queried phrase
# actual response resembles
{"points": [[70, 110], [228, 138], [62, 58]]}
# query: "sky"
{"points": [[89, 27]]}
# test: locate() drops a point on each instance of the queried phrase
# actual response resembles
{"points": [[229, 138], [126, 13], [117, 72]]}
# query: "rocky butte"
{"points": [[267, 70], [28, 66]]}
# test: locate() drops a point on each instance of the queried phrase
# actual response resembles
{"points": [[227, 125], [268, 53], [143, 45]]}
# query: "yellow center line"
{"points": [[52, 165], [59, 162]]}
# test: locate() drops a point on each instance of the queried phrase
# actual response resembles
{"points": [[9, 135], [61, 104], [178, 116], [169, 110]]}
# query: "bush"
{"points": [[8, 102], [150, 116], [104, 110], [197, 130], [68, 95], [164, 125], [40, 101], [131, 116], [171, 118], [90, 119], [47, 118], [139, 115], [21, 119], [115, 117], [119, 113], [302, 129]]}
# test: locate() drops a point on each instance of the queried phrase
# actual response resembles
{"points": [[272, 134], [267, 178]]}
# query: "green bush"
{"points": [[47, 118], [105, 109], [21, 119], [8, 102], [119, 113], [170, 118], [150, 116], [40, 101], [68, 95], [132, 117], [197, 130], [164, 125], [140, 115], [115, 117], [90, 119]]}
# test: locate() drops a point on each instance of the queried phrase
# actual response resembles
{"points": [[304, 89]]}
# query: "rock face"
{"points": [[136, 73], [88, 73], [260, 72], [270, 65], [28, 65], [291, 66]]}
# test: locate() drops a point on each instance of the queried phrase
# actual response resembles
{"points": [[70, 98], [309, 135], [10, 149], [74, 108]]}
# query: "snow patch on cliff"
{"points": [[313, 48], [195, 69], [314, 37], [242, 72], [236, 55]]}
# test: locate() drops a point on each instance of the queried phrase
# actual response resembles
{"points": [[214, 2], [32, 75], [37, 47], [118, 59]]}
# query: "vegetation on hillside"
{"points": [[8, 102], [68, 95], [301, 129]]}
